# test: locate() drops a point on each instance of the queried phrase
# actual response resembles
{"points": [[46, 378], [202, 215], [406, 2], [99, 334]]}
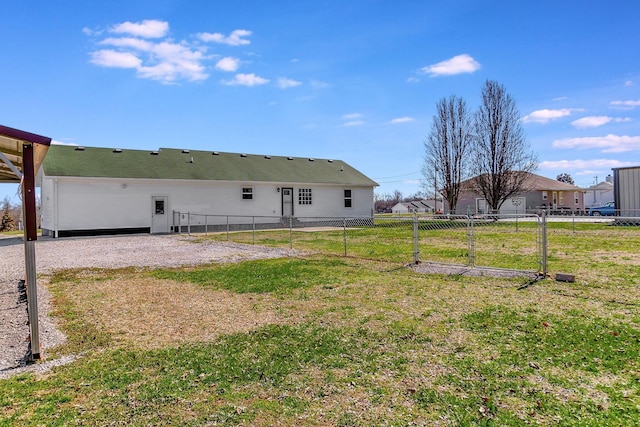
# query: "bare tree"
{"points": [[502, 161], [446, 149]]}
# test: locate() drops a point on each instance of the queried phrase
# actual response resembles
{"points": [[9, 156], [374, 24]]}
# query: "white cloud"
{"points": [[284, 83], [560, 98], [607, 144], [353, 123], [114, 59], [457, 65], [233, 39], [149, 28], [545, 115], [583, 164], [627, 105], [628, 83], [352, 116], [228, 63], [128, 42], [246, 80], [402, 120], [413, 80], [595, 121]]}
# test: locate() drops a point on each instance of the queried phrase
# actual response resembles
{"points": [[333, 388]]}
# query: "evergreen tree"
{"points": [[7, 223]]}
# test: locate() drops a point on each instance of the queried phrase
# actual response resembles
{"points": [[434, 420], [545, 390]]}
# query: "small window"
{"points": [[247, 193], [159, 207], [544, 195], [347, 198], [304, 196]]}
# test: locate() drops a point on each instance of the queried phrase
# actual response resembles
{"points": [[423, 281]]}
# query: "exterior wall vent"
{"points": [[185, 151], [79, 148]]}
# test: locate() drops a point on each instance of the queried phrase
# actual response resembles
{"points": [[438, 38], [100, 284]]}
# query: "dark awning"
{"points": [[11, 152]]}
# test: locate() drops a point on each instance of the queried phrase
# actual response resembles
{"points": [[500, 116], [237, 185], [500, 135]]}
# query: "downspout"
{"points": [[55, 208]]}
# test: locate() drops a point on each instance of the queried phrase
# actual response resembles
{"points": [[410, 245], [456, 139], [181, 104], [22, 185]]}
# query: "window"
{"points": [[561, 198], [347, 198], [304, 196], [247, 193], [576, 198], [544, 195], [159, 207]]}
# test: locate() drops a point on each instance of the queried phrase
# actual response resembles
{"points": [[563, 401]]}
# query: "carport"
{"points": [[21, 155]]}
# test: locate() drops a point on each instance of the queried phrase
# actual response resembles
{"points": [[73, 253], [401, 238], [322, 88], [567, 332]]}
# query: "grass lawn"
{"points": [[328, 340]]}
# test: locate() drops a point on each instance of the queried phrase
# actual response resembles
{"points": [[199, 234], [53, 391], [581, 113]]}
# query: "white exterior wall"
{"points": [[107, 203]]}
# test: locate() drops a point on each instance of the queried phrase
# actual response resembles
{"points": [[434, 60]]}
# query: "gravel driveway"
{"points": [[99, 252]]}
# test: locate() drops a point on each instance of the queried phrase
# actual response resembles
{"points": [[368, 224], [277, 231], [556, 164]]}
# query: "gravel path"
{"points": [[99, 252]]}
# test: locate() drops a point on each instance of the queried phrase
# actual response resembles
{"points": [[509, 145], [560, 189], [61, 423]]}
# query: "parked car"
{"points": [[608, 209]]}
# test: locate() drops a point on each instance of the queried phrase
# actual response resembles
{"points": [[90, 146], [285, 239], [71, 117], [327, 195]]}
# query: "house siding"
{"points": [[112, 203]]}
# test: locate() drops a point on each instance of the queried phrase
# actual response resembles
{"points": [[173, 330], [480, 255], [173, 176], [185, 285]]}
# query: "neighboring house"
{"points": [[87, 191], [600, 193], [626, 183], [541, 192], [410, 207]]}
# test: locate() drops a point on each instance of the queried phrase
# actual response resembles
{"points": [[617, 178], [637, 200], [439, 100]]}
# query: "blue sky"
{"points": [[350, 80]]}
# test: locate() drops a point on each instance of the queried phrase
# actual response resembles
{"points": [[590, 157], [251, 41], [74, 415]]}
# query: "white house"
{"points": [[412, 206], [600, 193], [87, 190]]}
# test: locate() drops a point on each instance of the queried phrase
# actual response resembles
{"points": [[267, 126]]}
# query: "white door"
{"points": [[287, 202], [159, 215]]}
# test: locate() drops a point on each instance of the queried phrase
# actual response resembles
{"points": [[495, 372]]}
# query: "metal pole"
{"points": [[30, 237], [290, 233], [344, 234], [206, 225], [253, 224], [416, 247], [471, 241], [227, 228], [189, 223], [545, 269]]}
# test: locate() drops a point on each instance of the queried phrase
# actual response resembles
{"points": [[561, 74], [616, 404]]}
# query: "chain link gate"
{"points": [[509, 242]]}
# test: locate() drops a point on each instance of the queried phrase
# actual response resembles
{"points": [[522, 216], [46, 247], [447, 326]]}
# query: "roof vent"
{"points": [[185, 151], [289, 158], [311, 160], [191, 161], [216, 153], [79, 148], [267, 157], [154, 153], [117, 150], [243, 155], [330, 161]]}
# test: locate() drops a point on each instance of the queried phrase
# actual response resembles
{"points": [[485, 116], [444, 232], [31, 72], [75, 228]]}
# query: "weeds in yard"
{"points": [[323, 340]]}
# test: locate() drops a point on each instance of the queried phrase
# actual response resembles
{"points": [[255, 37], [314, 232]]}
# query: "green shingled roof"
{"points": [[169, 163]]}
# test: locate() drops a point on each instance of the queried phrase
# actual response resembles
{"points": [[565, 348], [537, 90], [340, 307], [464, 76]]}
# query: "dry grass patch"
{"points": [[151, 313]]}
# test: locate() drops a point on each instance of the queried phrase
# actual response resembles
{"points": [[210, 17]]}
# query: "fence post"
{"points": [[290, 233], [471, 240], [344, 234], [227, 228], [206, 225], [416, 247], [189, 223], [545, 269], [253, 226]]}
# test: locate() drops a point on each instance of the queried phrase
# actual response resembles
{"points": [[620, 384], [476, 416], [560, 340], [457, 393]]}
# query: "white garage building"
{"points": [[90, 191]]}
